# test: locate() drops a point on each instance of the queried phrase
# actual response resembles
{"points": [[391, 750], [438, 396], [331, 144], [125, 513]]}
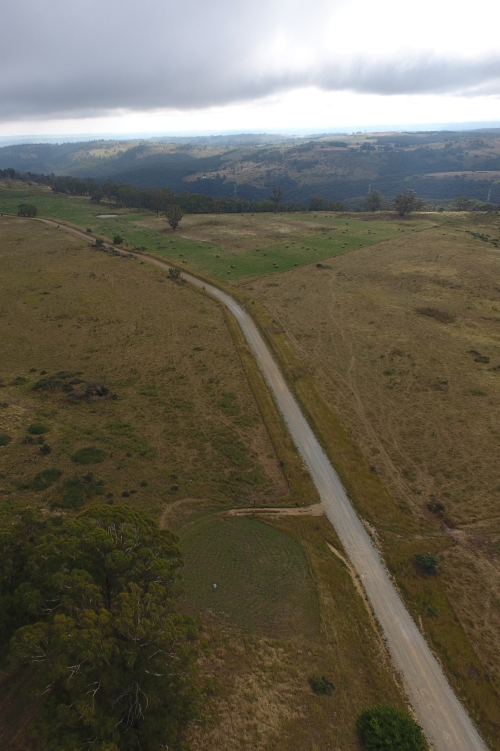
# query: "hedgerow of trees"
{"points": [[89, 606]]}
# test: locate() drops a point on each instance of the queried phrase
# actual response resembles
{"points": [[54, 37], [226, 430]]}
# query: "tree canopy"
{"points": [[405, 203], [27, 209], [91, 606], [174, 215], [374, 201]]}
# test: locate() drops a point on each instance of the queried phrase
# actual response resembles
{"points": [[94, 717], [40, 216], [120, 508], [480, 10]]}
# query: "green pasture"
{"points": [[335, 234], [263, 581]]}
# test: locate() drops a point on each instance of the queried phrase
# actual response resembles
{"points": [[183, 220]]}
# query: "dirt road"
{"points": [[444, 720]]}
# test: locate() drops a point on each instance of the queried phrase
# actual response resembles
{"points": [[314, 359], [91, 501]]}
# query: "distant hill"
{"points": [[437, 165]]}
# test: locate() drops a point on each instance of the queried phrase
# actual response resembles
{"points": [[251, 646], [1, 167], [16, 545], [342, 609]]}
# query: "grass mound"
{"points": [[89, 455], [5, 439], [37, 428]]}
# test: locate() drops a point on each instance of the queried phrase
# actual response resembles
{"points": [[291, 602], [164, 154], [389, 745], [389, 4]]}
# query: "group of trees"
{"points": [[403, 203], [89, 605]]}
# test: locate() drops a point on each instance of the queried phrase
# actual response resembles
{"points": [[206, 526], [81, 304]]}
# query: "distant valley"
{"points": [[439, 166]]}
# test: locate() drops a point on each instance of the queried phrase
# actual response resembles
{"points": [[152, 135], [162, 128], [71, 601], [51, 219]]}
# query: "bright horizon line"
{"points": [[348, 130]]}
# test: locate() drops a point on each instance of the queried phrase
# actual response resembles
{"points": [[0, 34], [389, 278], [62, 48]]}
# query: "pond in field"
{"points": [[106, 216]]}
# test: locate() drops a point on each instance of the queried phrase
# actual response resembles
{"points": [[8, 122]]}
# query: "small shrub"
{"points": [[45, 479], [440, 315], [45, 449], [436, 508], [37, 428], [117, 240], [5, 439], [89, 230], [385, 728], [59, 380], [426, 563], [321, 685], [174, 274], [89, 455], [433, 610], [99, 243]]}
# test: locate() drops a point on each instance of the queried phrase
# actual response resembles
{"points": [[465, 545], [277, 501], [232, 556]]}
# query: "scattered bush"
{"points": [[5, 439], [117, 240], [439, 315], [385, 728], [174, 274], [89, 455], [426, 563], [45, 479], [37, 428], [79, 489], [59, 380], [321, 685], [45, 449]]}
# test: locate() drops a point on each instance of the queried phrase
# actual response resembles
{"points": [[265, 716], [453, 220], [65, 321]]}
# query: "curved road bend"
{"points": [[443, 718]]}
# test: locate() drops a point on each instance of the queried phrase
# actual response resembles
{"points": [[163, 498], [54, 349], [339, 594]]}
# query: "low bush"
{"points": [[427, 563], [117, 240], [386, 728], [79, 489], [89, 455], [321, 685], [37, 428], [45, 479], [5, 439]]}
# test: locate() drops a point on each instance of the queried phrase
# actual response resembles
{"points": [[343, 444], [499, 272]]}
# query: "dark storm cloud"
{"points": [[69, 58]]}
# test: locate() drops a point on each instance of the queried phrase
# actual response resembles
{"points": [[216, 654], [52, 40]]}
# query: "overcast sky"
{"points": [[123, 66]]}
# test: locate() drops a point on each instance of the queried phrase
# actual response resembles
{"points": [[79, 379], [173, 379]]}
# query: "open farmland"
{"points": [[403, 341], [229, 247], [120, 386]]}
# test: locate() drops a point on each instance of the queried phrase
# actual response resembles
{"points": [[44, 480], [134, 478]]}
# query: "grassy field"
{"points": [[285, 609], [394, 353], [179, 417], [120, 386], [263, 582], [229, 246]]}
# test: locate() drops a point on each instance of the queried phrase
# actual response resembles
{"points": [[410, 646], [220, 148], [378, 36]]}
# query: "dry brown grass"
{"points": [[185, 422], [263, 701], [422, 407], [168, 354]]}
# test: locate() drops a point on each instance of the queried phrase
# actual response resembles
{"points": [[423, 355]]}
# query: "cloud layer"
{"points": [[85, 58]]}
